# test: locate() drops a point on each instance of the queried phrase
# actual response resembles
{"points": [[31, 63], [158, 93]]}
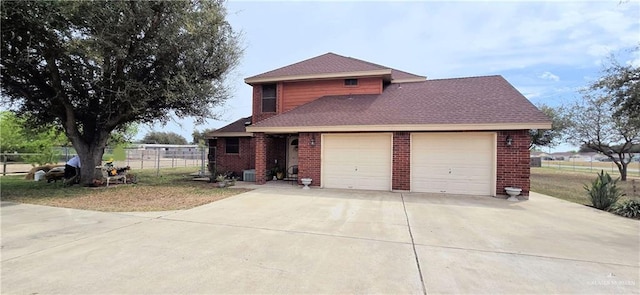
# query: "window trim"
{"points": [[274, 98], [236, 145]]}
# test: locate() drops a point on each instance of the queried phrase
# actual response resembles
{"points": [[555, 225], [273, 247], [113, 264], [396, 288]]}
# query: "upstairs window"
{"points": [[350, 82], [269, 98], [232, 145]]}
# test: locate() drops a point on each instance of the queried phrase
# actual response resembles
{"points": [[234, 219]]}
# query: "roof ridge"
{"points": [[380, 66], [295, 63], [331, 62], [457, 78]]}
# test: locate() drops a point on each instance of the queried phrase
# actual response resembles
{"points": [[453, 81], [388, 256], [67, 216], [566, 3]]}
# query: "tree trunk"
{"points": [[623, 170], [90, 156]]}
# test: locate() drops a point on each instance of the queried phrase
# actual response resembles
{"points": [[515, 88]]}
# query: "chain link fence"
{"points": [[156, 158]]}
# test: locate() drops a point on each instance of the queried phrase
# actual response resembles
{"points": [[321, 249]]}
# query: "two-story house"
{"points": [[348, 123]]}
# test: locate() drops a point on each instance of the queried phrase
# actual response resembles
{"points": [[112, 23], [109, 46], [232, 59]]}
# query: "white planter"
{"points": [[306, 182], [513, 193]]}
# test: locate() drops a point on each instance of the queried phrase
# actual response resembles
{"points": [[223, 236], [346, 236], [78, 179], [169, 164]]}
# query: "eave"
{"points": [[385, 73], [229, 134], [401, 127]]}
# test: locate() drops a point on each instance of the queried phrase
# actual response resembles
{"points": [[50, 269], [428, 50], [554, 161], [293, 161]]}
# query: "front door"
{"points": [[292, 151]]}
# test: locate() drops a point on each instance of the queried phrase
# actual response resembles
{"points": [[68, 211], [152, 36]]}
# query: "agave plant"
{"points": [[603, 191], [629, 209]]}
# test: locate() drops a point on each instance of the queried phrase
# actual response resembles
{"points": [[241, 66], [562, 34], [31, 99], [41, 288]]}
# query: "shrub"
{"points": [[629, 209], [603, 191]]}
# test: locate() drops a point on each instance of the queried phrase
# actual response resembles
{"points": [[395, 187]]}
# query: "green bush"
{"points": [[603, 191], [629, 209]]}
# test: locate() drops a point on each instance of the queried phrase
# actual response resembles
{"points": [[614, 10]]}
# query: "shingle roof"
{"points": [[235, 127], [331, 63], [473, 100]]}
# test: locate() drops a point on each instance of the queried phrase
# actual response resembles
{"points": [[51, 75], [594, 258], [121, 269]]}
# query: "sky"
{"points": [[548, 50]]}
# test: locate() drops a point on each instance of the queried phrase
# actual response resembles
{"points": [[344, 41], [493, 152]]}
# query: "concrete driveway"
{"points": [[284, 240]]}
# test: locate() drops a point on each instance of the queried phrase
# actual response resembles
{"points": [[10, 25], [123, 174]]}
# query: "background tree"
{"points": [[164, 138], [92, 67], [199, 137], [586, 149], [15, 136], [123, 135], [549, 137], [594, 126], [622, 83]]}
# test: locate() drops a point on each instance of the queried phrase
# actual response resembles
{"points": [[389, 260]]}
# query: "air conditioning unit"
{"points": [[249, 175]]}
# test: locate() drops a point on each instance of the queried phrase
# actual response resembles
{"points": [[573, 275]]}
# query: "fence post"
{"points": [[4, 164], [158, 163], [141, 159], [202, 173]]}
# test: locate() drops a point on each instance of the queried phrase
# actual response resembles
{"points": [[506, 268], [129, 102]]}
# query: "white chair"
{"points": [[109, 178]]}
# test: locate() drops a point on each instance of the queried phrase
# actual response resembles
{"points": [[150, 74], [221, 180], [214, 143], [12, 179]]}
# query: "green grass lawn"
{"points": [[173, 189], [569, 185]]}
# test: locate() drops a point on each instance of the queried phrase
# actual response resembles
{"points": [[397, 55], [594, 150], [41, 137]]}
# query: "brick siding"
{"points": [[512, 167], [309, 157], [401, 179], [237, 163], [261, 157], [258, 115]]}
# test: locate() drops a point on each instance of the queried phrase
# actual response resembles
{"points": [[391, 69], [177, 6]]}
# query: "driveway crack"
{"points": [[413, 245]]}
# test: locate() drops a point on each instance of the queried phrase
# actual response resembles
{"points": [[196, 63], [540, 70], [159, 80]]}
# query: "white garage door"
{"points": [[454, 163], [356, 161]]}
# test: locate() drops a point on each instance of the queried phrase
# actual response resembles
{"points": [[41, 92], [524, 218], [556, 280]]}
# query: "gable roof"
{"points": [[235, 129], [474, 103], [331, 65]]}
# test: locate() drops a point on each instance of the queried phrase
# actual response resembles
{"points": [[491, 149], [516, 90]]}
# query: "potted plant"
{"points": [[222, 180], [277, 173]]}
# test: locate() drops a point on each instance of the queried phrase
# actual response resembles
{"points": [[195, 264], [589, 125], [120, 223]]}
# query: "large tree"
{"points": [[549, 137], [93, 66], [622, 83], [593, 125]]}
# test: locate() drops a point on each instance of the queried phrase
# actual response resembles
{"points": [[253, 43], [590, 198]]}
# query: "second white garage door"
{"points": [[356, 161], [454, 163]]}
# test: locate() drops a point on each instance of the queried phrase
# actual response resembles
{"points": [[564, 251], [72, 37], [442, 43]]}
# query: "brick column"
{"points": [[401, 161], [261, 158], [309, 157], [513, 163]]}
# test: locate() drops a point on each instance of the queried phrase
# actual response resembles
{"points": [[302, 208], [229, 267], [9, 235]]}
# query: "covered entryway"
{"points": [[453, 163], [357, 161]]}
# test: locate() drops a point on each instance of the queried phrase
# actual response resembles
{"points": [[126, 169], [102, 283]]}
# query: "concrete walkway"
{"points": [[287, 240]]}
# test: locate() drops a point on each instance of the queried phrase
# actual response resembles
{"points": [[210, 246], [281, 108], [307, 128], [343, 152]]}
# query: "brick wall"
{"points": [[309, 157], [401, 161], [258, 115], [261, 157], [243, 160], [512, 167]]}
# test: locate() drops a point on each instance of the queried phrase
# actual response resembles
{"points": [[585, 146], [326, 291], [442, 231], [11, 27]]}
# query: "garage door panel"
{"points": [[456, 163], [357, 161]]}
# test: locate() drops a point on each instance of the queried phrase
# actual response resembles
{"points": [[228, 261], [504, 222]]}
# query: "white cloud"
{"points": [[549, 76], [539, 40]]}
